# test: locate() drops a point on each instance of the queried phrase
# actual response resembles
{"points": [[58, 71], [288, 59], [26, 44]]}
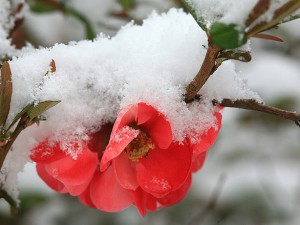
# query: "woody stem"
{"points": [[251, 104], [206, 69]]}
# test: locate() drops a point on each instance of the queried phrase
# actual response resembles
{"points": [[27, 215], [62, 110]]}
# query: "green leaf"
{"points": [[200, 20], [33, 111], [236, 55], [18, 116], [13, 204], [5, 92], [89, 30], [228, 36], [36, 110], [51, 6], [39, 7], [127, 4]]}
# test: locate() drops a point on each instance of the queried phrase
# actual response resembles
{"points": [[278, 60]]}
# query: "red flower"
{"points": [[140, 164], [205, 142], [142, 152], [60, 171]]}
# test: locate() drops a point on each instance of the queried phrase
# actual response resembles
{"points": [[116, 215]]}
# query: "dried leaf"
{"points": [[5, 92], [52, 66], [268, 37]]}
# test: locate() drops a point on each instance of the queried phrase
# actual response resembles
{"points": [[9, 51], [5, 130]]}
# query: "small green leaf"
{"points": [[127, 4], [39, 7], [13, 204], [5, 92], [199, 19], [236, 55], [36, 110], [89, 30], [228, 36], [18, 116], [33, 111]]}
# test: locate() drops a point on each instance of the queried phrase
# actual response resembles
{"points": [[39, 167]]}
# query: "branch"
{"points": [[279, 15], [211, 205], [23, 123], [251, 104], [204, 73], [259, 9]]}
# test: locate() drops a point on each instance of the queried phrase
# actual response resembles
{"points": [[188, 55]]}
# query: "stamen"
{"points": [[139, 147]]}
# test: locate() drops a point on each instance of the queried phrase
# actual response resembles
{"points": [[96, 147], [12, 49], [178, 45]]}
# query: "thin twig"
{"points": [[279, 15], [204, 73], [211, 205], [23, 123], [259, 9], [254, 105]]}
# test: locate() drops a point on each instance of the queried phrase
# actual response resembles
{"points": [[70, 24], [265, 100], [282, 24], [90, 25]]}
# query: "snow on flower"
{"points": [[95, 79], [139, 164]]}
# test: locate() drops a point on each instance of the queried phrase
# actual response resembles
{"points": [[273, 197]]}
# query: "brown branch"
{"points": [[254, 105], [260, 8], [23, 123], [282, 12], [204, 73], [211, 205]]}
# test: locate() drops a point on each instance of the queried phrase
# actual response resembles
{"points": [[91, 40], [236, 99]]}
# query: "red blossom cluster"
{"points": [[133, 162]]}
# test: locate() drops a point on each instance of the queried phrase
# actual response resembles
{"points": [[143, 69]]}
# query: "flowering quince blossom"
{"points": [[141, 165]]}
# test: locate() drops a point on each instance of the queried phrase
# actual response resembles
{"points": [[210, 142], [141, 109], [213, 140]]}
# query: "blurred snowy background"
{"points": [[257, 155]]}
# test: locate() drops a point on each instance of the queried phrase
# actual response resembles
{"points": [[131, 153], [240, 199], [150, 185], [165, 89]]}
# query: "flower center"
{"points": [[139, 147]]}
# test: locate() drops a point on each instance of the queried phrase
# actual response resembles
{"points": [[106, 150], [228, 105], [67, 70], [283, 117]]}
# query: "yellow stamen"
{"points": [[139, 147]]}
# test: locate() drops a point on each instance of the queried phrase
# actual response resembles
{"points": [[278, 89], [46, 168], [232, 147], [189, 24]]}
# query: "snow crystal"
{"points": [[227, 11], [231, 11], [163, 183], [151, 63]]}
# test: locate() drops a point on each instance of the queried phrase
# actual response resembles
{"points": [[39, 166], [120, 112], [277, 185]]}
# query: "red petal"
{"points": [[106, 193], [164, 171], [208, 139], [85, 198], [198, 162], [144, 201], [125, 117], [99, 140], [49, 180], [74, 172], [46, 152], [145, 112], [77, 189], [117, 144], [155, 124], [177, 195], [125, 172]]}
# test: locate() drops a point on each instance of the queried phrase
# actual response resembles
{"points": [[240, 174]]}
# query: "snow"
{"points": [[151, 63], [231, 11], [7, 21], [227, 11]]}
